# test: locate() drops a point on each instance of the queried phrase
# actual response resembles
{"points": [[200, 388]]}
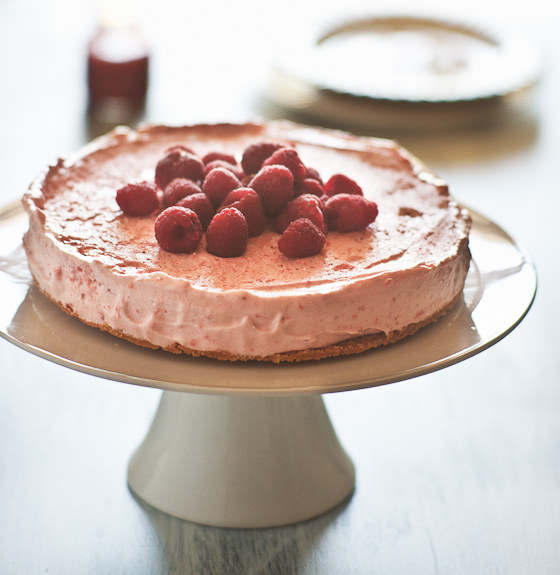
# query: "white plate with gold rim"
{"points": [[405, 70]]}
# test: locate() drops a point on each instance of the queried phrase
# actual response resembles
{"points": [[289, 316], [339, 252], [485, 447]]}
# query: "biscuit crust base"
{"points": [[350, 346]]}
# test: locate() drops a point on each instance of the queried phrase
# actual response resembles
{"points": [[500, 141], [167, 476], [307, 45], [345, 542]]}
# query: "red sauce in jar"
{"points": [[117, 68]]}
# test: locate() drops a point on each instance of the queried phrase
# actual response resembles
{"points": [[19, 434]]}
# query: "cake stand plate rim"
{"points": [[30, 321]]}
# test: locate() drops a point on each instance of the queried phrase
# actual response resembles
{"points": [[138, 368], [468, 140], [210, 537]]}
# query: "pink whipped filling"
{"points": [[108, 269]]}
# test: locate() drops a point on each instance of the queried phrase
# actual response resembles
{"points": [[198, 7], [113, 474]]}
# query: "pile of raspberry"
{"points": [[231, 201]]}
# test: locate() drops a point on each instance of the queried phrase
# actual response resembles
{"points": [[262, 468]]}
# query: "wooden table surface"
{"points": [[457, 471]]}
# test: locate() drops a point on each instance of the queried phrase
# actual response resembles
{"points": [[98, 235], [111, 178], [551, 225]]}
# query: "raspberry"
{"points": [[246, 180], [235, 169], [313, 174], [177, 189], [200, 205], [138, 199], [178, 230], [290, 158], [179, 148], [247, 201], [305, 206], [255, 154], [275, 186], [178, 164], [301, 239], [227, 234], [218, 183], [349, 212], [222, 156], [341, 184], [309, 186]]}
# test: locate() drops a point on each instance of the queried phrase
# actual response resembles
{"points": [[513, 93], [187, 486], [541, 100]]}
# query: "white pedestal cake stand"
{"points": [[251, 445]]}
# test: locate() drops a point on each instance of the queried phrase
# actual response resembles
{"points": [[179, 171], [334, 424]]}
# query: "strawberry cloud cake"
{"points": [[260, 241]]}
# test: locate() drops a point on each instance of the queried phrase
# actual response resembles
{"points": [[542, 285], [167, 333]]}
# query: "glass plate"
{"points": [[400, 57]]}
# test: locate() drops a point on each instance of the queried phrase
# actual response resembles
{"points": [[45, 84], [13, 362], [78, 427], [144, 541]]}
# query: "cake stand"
{"points": [[251, 444]]}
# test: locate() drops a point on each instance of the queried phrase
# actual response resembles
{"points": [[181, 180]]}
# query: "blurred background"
{"points": [[214, 61]]}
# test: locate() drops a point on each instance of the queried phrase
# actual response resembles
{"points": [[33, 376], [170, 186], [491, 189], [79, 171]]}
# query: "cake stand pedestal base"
{"points": [[258, 449], [241, 461]]}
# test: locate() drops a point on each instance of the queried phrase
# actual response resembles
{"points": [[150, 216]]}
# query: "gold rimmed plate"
{"points": [[403, 68]]}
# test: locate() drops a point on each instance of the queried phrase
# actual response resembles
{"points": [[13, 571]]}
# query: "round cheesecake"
{"points": [[363, 289]]}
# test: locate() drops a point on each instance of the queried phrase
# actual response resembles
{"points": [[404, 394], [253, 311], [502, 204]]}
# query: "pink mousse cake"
{"points": [[358, 290]]}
